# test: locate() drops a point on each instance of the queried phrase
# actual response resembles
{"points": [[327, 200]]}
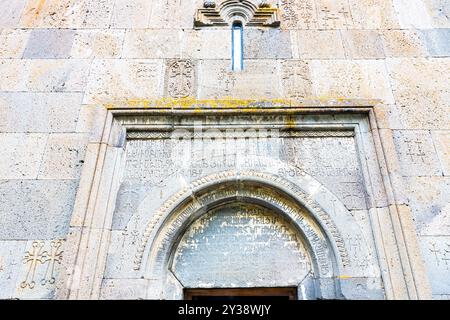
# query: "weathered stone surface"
{"points": [[10, 263], [93, 243], [367, 289], [47, 13], [198, 44], [296, 79], [64, 156], [43, 75], [441, 296], [152, 44], [325, 14], [131, 14], [69, 274], [124, 289], [388, 116], [122, 80], [11, 12], [403, 43], [441, 141], [39, 209], [319, 44], [436, 255], [416, 153], [413, 14], [39, 112], [373, 14], [422, 100], [21, 155], [439, 11], [99, 43], [173, 14], [216, 80], [362, 44], [121, 252], [430, 206], [67, 14], [95, 13], [355, 243], [365, 79], [339, 170], [91, 120], [436, 41], [267, 44], [13, 42], [49, 44]]}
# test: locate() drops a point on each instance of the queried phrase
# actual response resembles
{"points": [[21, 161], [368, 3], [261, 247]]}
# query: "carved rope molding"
{"points": [[139, 135], [242, 10], [216, 178]]}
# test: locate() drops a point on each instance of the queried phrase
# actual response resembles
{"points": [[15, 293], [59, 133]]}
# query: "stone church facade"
{"points": [[155, 148]]}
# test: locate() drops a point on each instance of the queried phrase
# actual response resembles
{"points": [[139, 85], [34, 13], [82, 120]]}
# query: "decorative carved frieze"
{"points": [[190, 134], [245, 11]]}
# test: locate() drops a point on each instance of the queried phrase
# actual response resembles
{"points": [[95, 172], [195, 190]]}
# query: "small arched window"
{"points": [[237, 46]]}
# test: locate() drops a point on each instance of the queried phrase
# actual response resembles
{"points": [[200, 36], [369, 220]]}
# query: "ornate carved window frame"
{"points": [[229, 11], [395, 239]]}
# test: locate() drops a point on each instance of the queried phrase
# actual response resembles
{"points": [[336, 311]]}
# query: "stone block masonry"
{"points": [[65, 64]]}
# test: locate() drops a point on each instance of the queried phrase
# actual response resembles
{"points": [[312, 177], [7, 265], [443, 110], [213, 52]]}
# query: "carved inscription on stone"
{"points": [[299, 14], [356, 248], [417, 154], [153, 161], [255, 82], [149, 161], [180, 78], [334, 14], [131, 232], [296, 79], [155, 164], [37, 258], [436, 252], [414, 150], [227, 80], [441, 254], [331, 160], [310, 14], [217, 248]]}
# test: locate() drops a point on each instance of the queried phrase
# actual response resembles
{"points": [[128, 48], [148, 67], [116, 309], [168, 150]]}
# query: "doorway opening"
{"points": [[233, 294]]}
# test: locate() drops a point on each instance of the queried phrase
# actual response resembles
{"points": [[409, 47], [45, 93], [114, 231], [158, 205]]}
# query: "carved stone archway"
{"points": [[375, 253], [324, 240]]}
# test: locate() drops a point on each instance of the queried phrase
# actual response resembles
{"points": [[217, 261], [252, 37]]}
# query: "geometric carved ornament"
{"points": [[229, 11]]}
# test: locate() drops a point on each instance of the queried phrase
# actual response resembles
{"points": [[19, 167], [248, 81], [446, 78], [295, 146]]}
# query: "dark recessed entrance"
{"points": [[241, 294]]}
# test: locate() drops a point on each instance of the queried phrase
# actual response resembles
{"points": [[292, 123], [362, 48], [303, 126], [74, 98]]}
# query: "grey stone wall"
{"points": [[61, 60]]}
